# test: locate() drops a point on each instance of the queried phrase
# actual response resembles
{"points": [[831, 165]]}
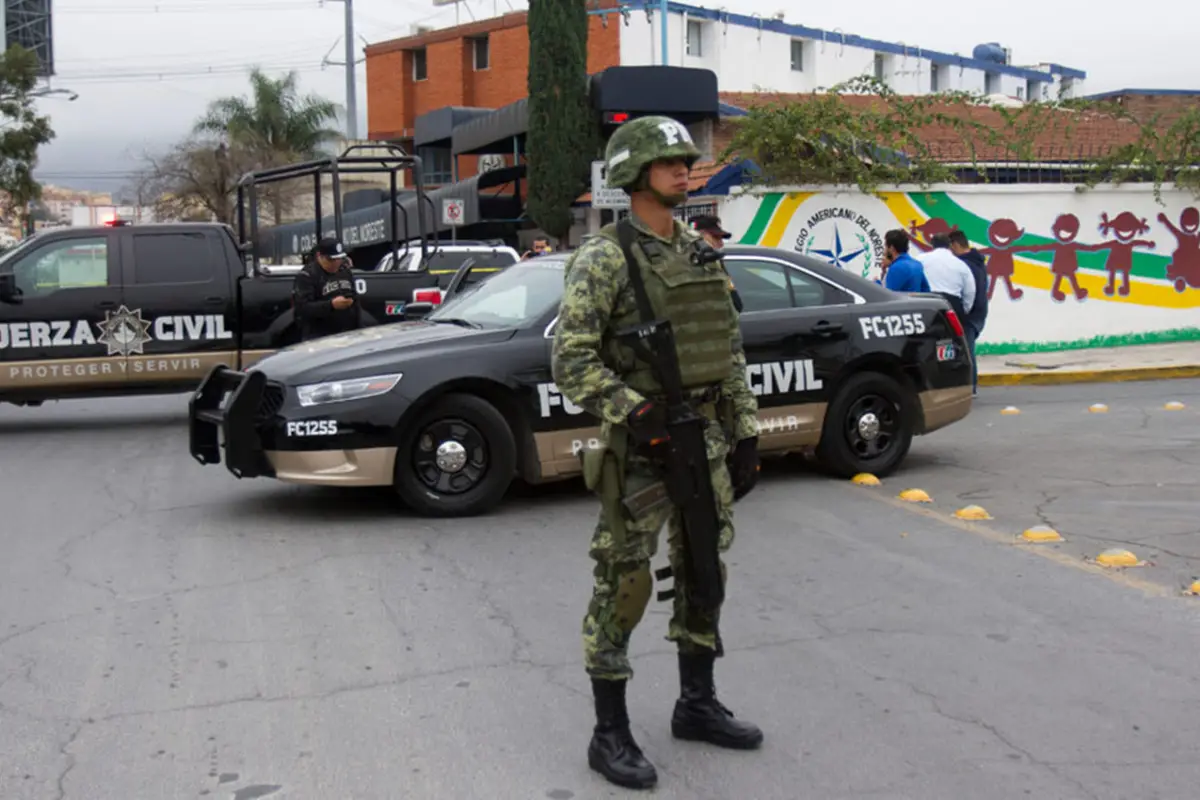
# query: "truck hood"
{"points": [[378, 349]]}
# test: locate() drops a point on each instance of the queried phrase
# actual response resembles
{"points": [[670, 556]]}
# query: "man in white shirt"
{"points": [[949, 276]]}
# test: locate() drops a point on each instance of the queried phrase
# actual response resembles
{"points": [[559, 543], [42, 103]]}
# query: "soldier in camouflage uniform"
{"points": [[650, 159]]}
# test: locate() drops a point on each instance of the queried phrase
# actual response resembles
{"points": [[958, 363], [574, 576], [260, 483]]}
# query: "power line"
{"points": [[156, 60], [154, 76], [198, 8]]}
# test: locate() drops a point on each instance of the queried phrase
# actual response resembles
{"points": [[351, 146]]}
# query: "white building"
{"points": [[752, 54]]}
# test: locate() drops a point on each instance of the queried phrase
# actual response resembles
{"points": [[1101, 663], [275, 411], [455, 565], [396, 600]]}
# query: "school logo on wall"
{"points": [[842, 236], [124, 332]]}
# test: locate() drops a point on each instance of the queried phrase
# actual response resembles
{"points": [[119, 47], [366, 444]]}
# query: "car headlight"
{"points": [[315, 394]]}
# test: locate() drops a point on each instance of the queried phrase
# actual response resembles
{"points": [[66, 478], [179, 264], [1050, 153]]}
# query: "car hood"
{"points": [[374, 350]]}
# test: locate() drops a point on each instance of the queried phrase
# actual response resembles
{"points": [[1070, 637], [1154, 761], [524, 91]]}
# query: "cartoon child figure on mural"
{"points": [[921, 235], [1066, 256], [1124, 228], [1003, 233], [1184, 268]]}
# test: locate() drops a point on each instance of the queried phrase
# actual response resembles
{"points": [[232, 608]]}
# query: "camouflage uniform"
{"points": [[605, 378], [598, 299]]}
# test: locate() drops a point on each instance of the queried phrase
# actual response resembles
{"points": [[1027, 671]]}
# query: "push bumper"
{"points": [[226, 413]]}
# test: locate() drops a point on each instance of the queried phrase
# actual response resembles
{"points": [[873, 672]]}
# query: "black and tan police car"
{"points": [[450, 408]]}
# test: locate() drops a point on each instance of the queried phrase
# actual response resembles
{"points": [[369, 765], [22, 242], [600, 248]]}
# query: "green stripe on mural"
{"points": [[1145, 265], [761, 218], [1120, 340]]}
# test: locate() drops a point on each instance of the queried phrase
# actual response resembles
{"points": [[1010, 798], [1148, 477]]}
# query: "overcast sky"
{"points": [[145, 69]]}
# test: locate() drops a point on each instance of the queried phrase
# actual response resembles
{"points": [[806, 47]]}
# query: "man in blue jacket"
{"points": [[905, 273], [976, 316]]}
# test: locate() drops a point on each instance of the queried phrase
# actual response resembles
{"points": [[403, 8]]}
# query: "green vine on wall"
{"points": [[882, 138]]}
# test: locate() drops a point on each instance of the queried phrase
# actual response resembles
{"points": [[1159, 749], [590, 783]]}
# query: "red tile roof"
{"points": [[1068, 136]]}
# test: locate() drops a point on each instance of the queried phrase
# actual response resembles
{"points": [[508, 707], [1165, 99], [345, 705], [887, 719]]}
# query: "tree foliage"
{"points": [[273, 126], [22, 130], [563, 137], [274, 121], [195, 179], [862, 133]]}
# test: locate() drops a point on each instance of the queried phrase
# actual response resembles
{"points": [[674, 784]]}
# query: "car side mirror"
{"points": [[9, 293], [417, 310]]}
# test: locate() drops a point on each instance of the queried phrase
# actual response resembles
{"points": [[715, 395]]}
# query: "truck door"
{"points": [[66, 336], [179, 294]]}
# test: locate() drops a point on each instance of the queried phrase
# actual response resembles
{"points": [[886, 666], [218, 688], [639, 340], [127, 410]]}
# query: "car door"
{"points": [[61, 338], [179, 304], [795, 331]]}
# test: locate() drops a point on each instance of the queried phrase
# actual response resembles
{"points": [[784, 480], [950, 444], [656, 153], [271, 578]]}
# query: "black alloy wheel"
{"points": [[871, 425], [450, 456], [458, 458], [868, 426]]}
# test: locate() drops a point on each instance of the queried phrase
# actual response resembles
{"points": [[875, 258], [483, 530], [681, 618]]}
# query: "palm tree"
{"points": [[274, 124]]}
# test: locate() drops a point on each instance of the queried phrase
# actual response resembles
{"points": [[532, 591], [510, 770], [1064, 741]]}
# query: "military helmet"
{"points": [[637, 143]]}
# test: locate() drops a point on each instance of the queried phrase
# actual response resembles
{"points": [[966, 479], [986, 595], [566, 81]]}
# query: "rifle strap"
{"points": [[625, 235]]}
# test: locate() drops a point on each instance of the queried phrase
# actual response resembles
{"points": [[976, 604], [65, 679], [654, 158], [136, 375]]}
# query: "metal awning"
{"points": [[493, 133], [688, 94], [435, 128]]}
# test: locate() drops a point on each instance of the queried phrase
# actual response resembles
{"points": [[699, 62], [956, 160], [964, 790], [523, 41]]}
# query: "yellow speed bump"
{"points": [[1010, 411], [1041, 533], [865, 479], [1174, 405], [1117, 557], [1098, 408], [972, 512], [915, 496]]}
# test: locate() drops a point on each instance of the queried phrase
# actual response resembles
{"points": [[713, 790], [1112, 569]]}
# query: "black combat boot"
{"points": [[700, 717], [613, 752]]}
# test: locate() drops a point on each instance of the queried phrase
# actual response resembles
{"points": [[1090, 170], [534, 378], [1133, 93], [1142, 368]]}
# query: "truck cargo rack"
{"points": [[223, 414], [395, 161]]}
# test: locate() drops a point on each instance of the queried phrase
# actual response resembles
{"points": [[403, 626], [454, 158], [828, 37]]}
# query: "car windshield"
{"points": [[515, 298]]}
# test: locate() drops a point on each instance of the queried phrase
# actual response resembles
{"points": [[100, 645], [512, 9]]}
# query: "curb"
{"points": [[1050, 377]]}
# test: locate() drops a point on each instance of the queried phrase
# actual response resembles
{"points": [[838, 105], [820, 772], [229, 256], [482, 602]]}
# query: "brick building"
{"points": [[471, 68]]}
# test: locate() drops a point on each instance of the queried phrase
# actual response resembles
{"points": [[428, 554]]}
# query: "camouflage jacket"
{"points": [[596, 289]]}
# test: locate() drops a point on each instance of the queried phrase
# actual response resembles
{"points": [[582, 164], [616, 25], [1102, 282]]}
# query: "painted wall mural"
{"points": [[1067, 270]]}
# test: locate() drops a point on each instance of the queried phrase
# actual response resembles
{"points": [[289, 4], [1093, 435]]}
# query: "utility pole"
{"points": [[351, 66], [351, 70]]}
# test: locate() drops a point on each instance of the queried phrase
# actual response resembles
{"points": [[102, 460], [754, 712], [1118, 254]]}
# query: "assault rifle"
{"points": [[687, 479]]}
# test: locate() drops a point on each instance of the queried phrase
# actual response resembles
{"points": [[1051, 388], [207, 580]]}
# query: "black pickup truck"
{"points": [[128, 309], [146, 309]]}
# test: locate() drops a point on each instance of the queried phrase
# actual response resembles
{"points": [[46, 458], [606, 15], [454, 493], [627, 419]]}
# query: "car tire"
{"points": [[436, 478], [868, 426]]}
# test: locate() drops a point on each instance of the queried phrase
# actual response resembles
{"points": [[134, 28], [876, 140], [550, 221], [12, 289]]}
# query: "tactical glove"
{"points": [[744, 467], [648, 424]]}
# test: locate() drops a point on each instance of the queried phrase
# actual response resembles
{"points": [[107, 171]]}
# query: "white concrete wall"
{"points": [[746, 60], [1018, 228]]}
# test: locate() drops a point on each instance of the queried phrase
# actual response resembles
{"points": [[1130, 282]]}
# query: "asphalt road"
{"points": [[169, 632]]}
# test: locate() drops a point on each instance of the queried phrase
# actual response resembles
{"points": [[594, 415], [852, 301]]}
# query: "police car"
{"points": [[450, 408]]}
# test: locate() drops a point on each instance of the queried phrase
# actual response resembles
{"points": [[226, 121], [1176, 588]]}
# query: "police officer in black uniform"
{"points": [[323, 293], [710, 228]]}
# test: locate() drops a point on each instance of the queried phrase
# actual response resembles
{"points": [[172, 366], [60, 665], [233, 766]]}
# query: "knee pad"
{"points": [[633, 590]]}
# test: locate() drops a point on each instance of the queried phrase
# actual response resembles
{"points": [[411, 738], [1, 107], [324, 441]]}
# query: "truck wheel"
{"points": [[457, 459], [868, 426]]}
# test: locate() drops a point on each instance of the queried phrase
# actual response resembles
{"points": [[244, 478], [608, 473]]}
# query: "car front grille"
{"points": [[271, 402]]}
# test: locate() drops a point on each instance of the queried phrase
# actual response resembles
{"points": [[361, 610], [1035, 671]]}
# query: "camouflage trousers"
{"points": [[623, 584]]}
